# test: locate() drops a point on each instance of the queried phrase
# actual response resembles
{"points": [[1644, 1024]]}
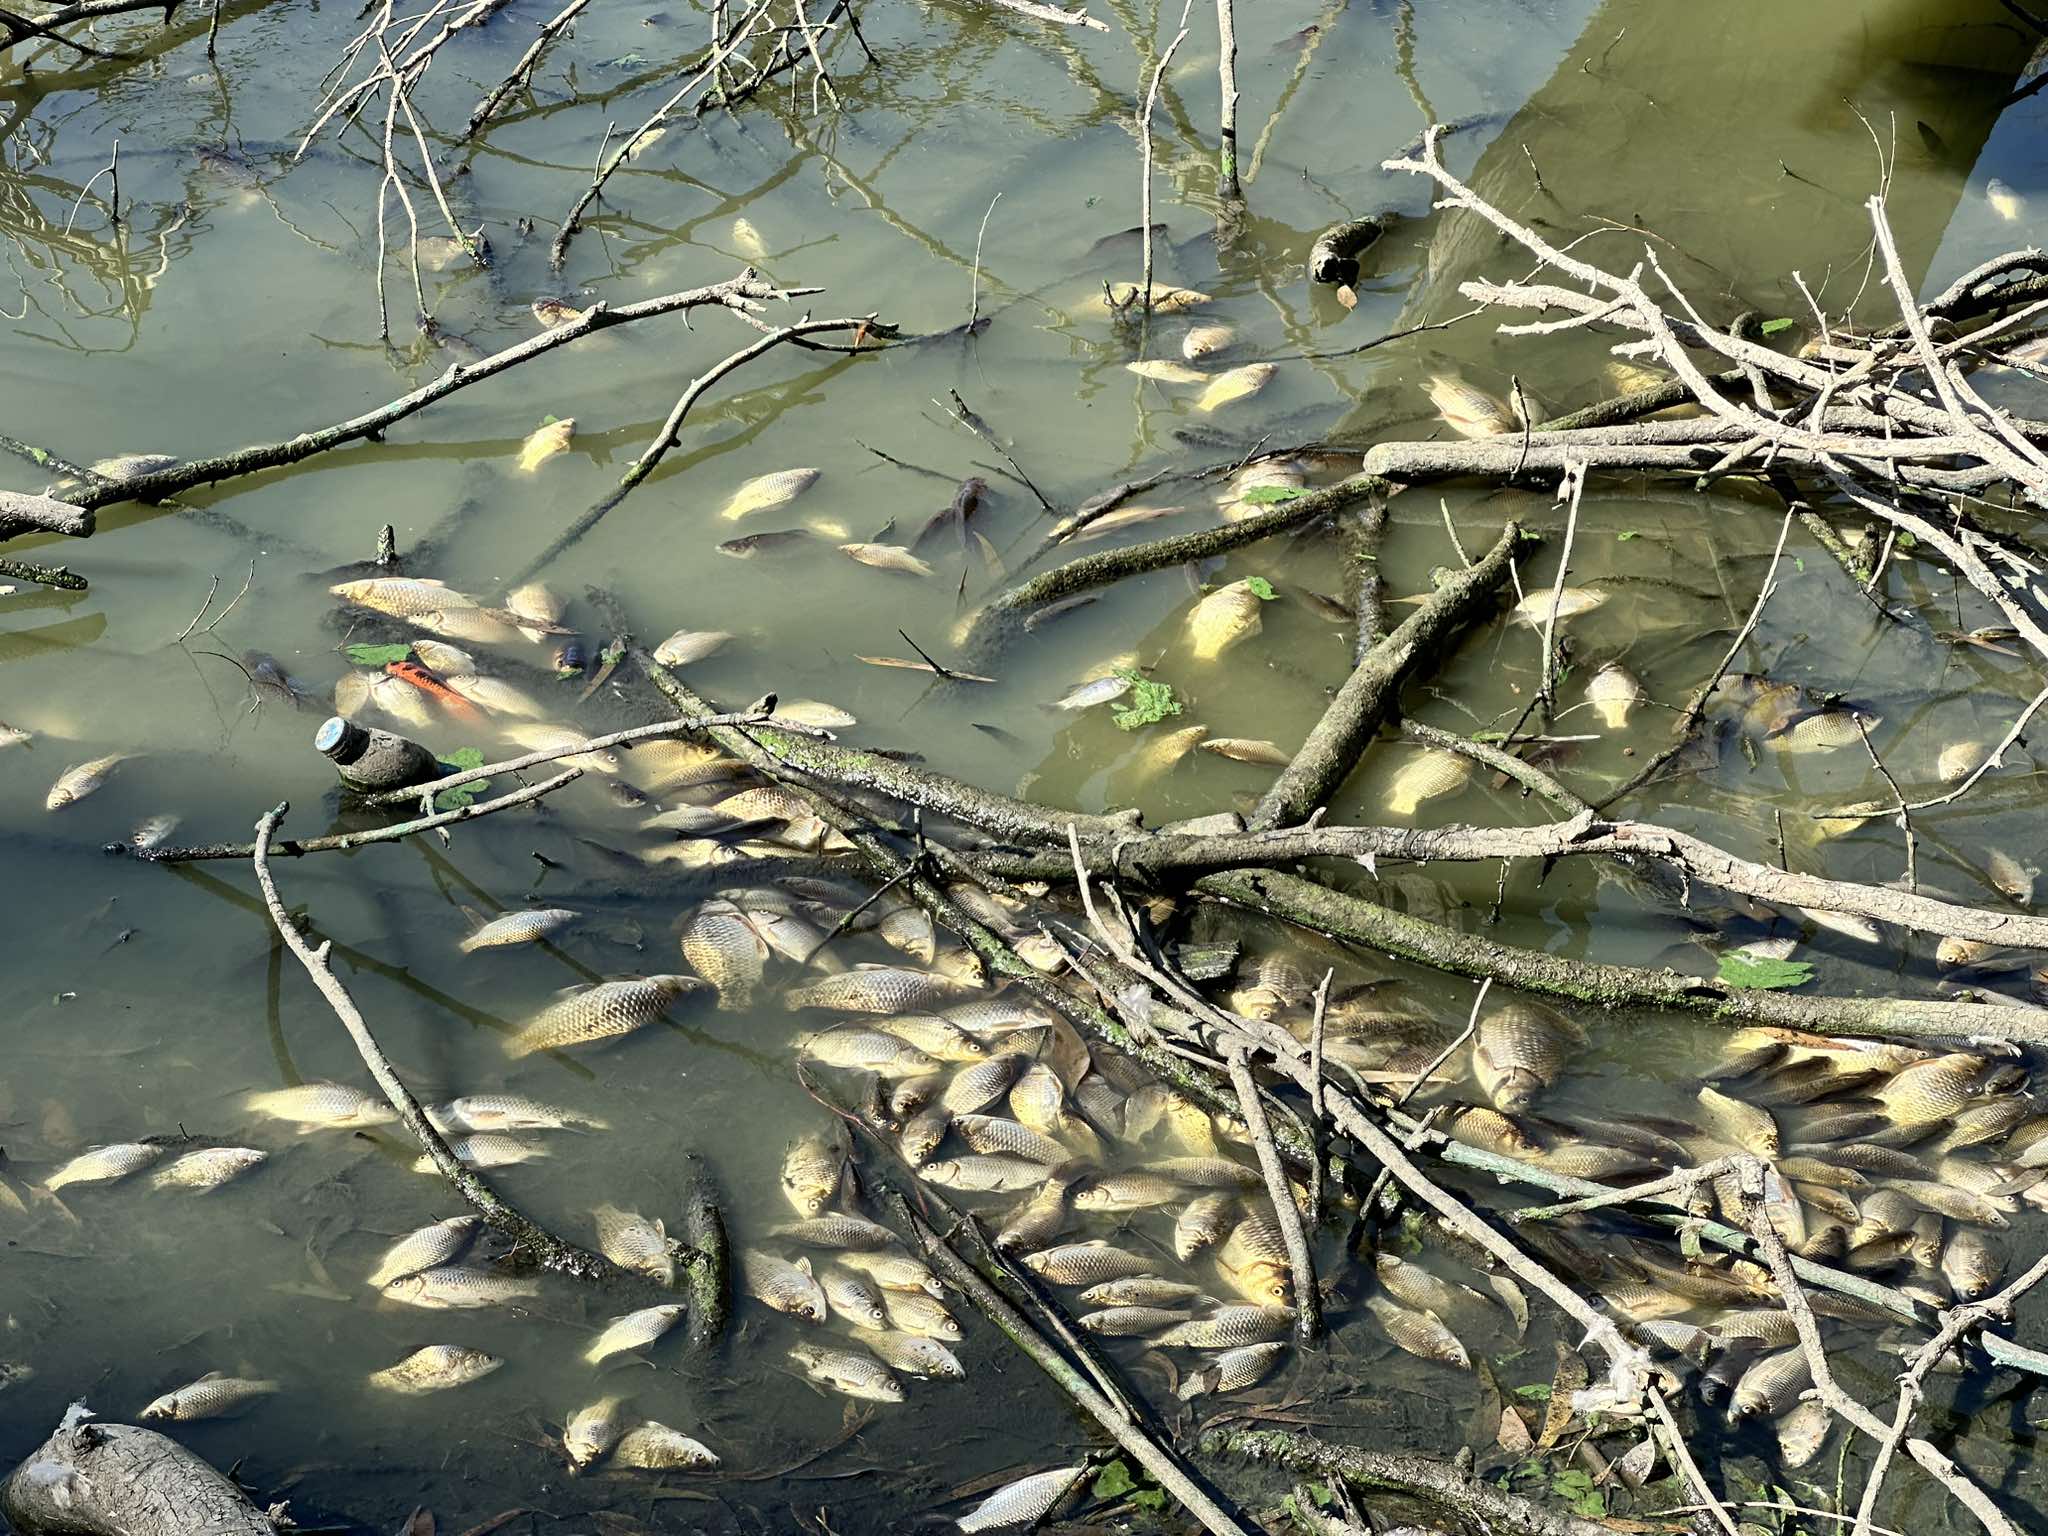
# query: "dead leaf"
{"points": [[1569, 1380]]}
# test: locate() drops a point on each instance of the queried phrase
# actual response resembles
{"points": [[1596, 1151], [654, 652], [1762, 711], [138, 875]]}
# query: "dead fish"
{"points": [[1202, 1223], [2009, 877], [105, 1164], [810, 1174], [783, 541], [854, 1297], [1165, 372], [881, 989], [892, 1271], [854, 1373], [1823, 731], [2005, 202], [915, 1312], [913, 1354], [939, 1038], [1770, 1386], [153, 832], [1101, 690], [686, 646], [1224, 618], [1744, 1125], [1971, 1264], [985, 1173], [1421, 1334], [993, 1134], [654, 1447], [1520, 1049], [528, 927], [747, 240], [494, 695], [1931, 1090], [441, 1242], [1803, 1432], [634, 1242], [842, 1233], [1613, 691], [592, 1431], [1243, 750], [887, 557], [1466, 409], [207, 1169], [552, 312], [486, 1149], [1166, 299], [553, 738], [1230, 1327], [726, 950], [1021, 1504], [1131, 1322], [1238, 384], [1534, 610], [402, 597], [1206, 341], [1141, 1291], [506, 1112], [212, 1396], [631, 1331], [787, 1287], [459, 1287], [545, 442], [436, 1368], [764, 493], [75, 783], [1086, 1263], [1428, 774], [603, 1012]]}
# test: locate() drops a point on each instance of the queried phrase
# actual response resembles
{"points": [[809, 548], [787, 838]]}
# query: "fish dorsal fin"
{"points": [[212, 1376], [804, 1264], [475, 918]]}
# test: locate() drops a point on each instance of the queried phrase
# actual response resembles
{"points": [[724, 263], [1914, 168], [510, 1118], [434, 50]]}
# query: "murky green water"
{"points": [[235, 308]]}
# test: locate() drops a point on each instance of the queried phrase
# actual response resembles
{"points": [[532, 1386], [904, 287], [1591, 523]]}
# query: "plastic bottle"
{"points": [[370, 760]]}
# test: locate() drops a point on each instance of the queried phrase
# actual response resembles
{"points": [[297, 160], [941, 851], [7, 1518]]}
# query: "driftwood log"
{"points": [[93, 1479]]}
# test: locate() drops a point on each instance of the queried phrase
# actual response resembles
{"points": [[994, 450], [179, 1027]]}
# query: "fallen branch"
{"points": [[522, 72], [1332, 749], [1308, 1312], [95, 1479], [549, 1251]]}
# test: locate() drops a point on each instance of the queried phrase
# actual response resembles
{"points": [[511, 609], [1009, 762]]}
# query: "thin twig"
{"points": [[1308, 1315]]}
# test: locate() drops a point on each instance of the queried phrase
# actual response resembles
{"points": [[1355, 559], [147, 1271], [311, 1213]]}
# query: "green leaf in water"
{"points": [[1782, 323], [1741, 970], [461, 760], [1270, 495], [376, 655], [1149, 1498], [1535, 1391], [1149, 704], [1625, 535], [1261, 588], [1799, 564], [1114, 1481], [1575, 1486]]}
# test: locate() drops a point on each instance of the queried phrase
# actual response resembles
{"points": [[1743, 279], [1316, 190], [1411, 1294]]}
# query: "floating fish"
{"points": [[1023, 1503], [655, 1447], [913, 1354], [1520, 1049], [105, 1164], [1206, 341], [783, 541], [212, 1396], [2005, 202], [441, 1242], [1613, 691], [436, 1368], [763, 493], [506, 1112], [1534, 610], [552, 312], [631, 1331], [747, 240], [1243, 750], [1232, 1371], [1166, 299], [592, 1431], [853, 1373], [1421, 1334], [1426, 775], [486, 1149], [887, 557], [1224, 618], [207, 1169], [75, 783], [459, 1287], [494, 695], [402, 597], [810, 1175], [1086, 1263], [602, 1012], [1231, 1327], [634, 1242], [528, 927], [691, 645], [787, 1287]]}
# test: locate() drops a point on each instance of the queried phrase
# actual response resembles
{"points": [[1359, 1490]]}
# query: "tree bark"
{"points": [[93, 1479]]}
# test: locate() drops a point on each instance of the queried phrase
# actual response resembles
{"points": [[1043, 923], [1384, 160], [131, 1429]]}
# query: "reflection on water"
{"points": [[233, 303]]}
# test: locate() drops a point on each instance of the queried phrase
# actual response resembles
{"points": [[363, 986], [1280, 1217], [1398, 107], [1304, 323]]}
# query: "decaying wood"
{"points": [[95, 1479]]}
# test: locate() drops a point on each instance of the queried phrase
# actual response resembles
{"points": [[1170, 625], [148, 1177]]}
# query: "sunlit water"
{"points": [[145, 1001]]}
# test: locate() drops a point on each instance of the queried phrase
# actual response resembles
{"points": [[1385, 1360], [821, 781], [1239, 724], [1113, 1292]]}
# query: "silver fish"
{"points": [[913, 1354], [486, 1149], [506, 1112], [460, 1287], [76, 782], [436, 1368], [1232, 1327], [691, 645], [855, 1298], [602, 1012], [1233, 1370], [853, 1373], [776, 1282], [1086, 1263], [810, 1175], [633, 1330], [518, 928], [441, 1242], [634, 1242], [212, 1396], [207, 1169], [592, 1431], [1022, 1503], [881, 989], [105, 1164], [915, 1312], [847, 1234], [655, 1447]]}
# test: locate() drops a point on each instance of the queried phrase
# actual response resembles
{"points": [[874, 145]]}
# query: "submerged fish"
{"points": [[1164, 371], [494, 695], [1534, 610], [212, 1396], [1166, 299], [1418, 1333], [881, 989], [1244, 750], [690, 645], [603, 1012], [1238, 384], [887, 557], [402, 597], [545, 442], [1519, 1050], [787, 1287], [1466, 409], [764, 493], [1426, 775], [1613, 691], [592, 1431], [747, 240], [436, 1368], [1206, 341], [810, 1175], [459, 1287], [1233, 1370], [634, 1242], [506, 1112], [1224, 618], [484, 1150]]}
